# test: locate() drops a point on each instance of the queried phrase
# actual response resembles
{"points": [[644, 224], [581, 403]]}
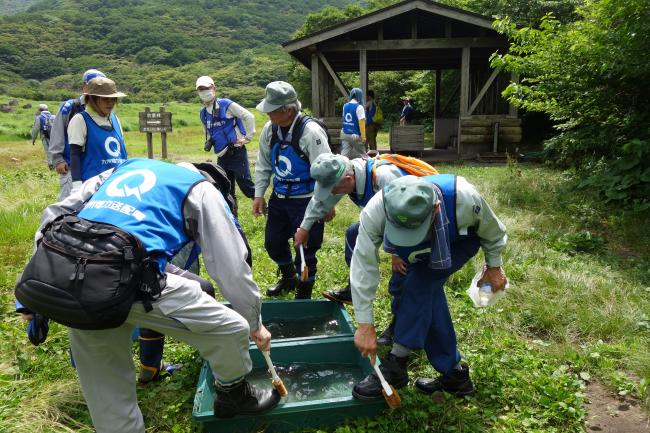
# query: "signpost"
{"points": [[151, 122]]}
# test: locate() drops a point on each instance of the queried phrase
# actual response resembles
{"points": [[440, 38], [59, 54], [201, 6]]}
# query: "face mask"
{"points": [[206, 95]]}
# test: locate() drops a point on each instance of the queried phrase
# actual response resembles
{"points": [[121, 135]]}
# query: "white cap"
{"points": [[42, 107], [204, 81]]}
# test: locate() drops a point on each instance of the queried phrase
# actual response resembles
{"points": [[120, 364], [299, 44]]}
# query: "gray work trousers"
{"points": [[352, 146], [105, 363], [65, 185]]}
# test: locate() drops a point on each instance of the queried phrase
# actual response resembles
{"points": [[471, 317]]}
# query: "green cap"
{"points": [[276, 95], [408, 202], [327, 170]]}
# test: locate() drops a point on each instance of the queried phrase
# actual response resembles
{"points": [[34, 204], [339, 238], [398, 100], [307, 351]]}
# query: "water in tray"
{"points": [[307, 382], [302, 327]]}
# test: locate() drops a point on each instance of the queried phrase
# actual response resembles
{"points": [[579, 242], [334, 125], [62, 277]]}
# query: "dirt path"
{"points": [[608, 413]]}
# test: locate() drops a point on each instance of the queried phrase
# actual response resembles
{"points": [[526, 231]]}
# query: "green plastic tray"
{"points": [[297, 313], [293, 416]]}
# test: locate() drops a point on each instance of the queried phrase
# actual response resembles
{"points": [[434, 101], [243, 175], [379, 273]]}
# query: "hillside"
{"points": [[154, 49], [11, 7]]}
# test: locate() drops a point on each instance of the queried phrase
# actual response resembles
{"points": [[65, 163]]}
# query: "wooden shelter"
{"points": [[419, 35]]}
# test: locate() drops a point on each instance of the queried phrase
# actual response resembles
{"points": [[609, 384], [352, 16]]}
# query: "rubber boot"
{"points": [[288, 280], [343, 296], [456, 382], [243, 399], [395, 371], [304, 289]]}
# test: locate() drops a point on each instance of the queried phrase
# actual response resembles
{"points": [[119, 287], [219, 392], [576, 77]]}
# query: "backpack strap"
{"points": [[296, 135]]}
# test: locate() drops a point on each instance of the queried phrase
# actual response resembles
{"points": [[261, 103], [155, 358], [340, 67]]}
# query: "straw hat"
{"points": [[104, 87]]}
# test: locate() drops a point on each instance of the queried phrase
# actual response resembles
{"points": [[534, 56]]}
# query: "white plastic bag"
{"points": [[482, 298]]}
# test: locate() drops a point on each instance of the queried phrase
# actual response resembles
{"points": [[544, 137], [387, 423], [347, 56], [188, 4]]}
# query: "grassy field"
{"points": [[578, 309]]}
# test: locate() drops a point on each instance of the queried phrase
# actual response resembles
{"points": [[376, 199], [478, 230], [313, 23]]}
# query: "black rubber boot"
{"points": [[386, 337], [395, 372], [243, 399], [288, 280], [304, 289], [457, 383], [343, 296]]}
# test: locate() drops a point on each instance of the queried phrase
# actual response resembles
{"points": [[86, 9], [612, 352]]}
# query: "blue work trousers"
{"points": [[422, 319], [283, 219], [235, 162]]}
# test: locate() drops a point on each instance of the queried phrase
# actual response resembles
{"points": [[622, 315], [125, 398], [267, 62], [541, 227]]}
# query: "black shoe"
{"points": [[395, 372], [457, 383], [287, 283], [244, 399], [343, 296], [304, 289], [386, 337]]}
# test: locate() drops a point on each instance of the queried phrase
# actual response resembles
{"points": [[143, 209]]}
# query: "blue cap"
{"points": [[90, 74]]}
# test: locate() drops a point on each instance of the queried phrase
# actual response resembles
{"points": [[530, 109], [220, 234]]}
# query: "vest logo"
{"points": [[286, 162], [108, 145], [348, 117], [413, 257], [120, 188]]}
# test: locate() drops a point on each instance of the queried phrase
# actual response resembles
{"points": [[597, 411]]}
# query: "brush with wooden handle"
{"points": [[275, 379], [390, 393], [304, 270]]}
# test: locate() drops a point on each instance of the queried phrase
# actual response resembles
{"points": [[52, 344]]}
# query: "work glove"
{"points": [[37, 329]]}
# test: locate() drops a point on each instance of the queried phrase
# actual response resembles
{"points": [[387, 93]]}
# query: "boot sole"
{"points": [[335, 299]]}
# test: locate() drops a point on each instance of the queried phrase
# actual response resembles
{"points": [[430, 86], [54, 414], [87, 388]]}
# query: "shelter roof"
{"points": [[411, 35]]}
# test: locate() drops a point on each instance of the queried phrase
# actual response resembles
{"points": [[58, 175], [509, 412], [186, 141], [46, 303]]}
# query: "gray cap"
{"points": [[327, 170], [409, 202], [42, 107], [276, 95]]}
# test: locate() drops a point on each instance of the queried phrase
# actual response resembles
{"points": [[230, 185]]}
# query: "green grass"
{"points": [[578, 308]]}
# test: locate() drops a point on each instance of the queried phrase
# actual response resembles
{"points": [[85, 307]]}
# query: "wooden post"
{"points": [[436, 109], [414, 27], [315, 85], [464, 91], [149, 139], [363, 71], [163, 138]]}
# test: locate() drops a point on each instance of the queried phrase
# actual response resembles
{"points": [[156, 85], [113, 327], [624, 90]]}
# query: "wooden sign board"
{"points": [[151, 121], [155, 121]]}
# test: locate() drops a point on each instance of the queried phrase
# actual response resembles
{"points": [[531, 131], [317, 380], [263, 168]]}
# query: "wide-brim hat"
{"points": [[104, 87], [276, 95], [409, 203]]}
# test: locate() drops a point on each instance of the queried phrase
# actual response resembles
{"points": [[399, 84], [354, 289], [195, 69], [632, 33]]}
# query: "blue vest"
{"points": [[291, 172], [369, 190], [350, 120], [43, 118], [104, 148], [421, 252], [219, 127], [370, 114], [69, 109], [145, 198]]}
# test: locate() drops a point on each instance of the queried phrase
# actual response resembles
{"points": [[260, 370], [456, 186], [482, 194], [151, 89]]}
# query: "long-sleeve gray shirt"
{"points": [[60, 130], [471, 211], [208, 223], [313, 142], [384, 174], [37, 130]]}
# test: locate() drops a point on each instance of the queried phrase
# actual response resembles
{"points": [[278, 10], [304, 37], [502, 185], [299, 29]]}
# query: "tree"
{"points": [[591, 76]]}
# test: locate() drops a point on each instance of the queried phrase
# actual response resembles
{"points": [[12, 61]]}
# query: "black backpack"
{"points": [[298, 129], [86, 275]]}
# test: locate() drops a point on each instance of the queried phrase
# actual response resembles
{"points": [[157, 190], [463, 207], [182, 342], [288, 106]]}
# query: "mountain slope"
{"points": [[143, 43]]}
